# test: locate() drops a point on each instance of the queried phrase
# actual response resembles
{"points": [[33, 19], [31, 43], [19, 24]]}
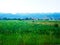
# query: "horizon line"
{"points": [[30, 13]]}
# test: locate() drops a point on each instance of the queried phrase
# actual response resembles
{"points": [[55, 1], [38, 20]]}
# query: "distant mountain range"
{"points": [[31, 15]]}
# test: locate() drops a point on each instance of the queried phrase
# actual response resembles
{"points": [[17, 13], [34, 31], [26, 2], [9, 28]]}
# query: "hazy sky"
{"points": [[29, 6]]}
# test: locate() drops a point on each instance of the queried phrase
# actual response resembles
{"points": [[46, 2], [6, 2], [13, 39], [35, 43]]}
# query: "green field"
{"points": [[29, 32]]}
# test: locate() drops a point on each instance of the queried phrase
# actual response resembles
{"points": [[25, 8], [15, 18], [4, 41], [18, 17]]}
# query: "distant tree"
{"points": [[38, 19], [26, 18], [19, 19], [14, 18], [8, 18], [4, 18]]}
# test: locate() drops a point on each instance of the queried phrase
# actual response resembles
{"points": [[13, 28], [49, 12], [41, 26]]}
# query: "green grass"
{"points": [[27, 32]]}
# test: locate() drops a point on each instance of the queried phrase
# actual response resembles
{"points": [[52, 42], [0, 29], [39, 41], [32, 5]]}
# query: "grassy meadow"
{"points": [[29, 32]]}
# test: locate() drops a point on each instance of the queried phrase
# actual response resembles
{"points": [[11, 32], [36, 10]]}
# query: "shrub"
{"points": [[56, 25]]}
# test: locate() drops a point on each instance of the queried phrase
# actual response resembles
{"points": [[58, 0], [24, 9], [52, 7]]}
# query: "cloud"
{"points": [[29, 6]]}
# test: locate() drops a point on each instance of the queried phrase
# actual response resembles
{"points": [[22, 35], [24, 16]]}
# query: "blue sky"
{"points": [[29, 6]]}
